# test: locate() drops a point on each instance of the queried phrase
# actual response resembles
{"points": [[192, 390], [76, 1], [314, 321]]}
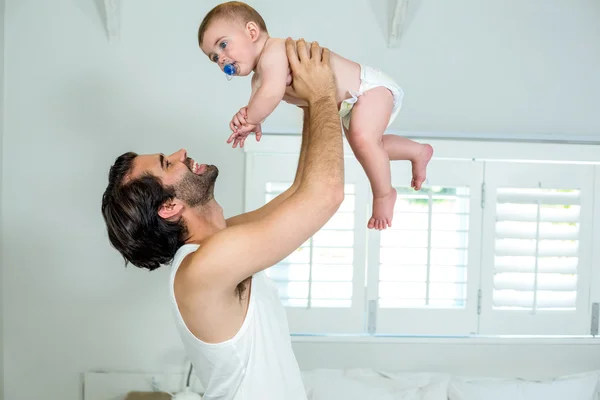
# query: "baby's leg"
{"points": [[400, 148], [368, 121]]}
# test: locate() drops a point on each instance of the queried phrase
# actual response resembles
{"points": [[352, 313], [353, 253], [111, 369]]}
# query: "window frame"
{"points": [[439, 321], [474, 150], [552, 322], [317, 320]]}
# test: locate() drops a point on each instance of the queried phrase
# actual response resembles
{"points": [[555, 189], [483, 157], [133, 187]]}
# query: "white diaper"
{"points": [[371, 78]]}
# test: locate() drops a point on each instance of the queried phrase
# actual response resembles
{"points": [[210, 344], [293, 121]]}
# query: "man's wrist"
{"points": [[321, 100]]}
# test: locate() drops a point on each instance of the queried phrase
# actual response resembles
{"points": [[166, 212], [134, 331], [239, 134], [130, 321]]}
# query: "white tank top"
{"points": [[258, 362]]}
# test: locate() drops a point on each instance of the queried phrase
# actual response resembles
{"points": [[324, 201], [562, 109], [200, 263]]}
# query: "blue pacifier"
{"points": [[229, 70]]}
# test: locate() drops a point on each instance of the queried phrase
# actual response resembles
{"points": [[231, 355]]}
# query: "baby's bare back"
{"points": [[347, 72]]}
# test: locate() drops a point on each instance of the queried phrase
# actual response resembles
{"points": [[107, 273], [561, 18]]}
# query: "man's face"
{"points": [[229, 42], [193, 183]]}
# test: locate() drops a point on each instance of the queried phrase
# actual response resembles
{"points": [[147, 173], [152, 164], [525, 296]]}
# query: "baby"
{"points": [[234, 36]]}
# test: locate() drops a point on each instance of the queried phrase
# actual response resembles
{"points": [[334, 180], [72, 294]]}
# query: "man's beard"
{"points": [[197, 190]]}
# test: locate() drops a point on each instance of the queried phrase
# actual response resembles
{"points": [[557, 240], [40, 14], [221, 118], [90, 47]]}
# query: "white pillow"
{"points": [[571, 387], [350, 385], [412, 379]]}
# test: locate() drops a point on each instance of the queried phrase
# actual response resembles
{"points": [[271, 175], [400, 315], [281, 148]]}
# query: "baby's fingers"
{"points": [[237, 124], [233, 136], [258, 133]]}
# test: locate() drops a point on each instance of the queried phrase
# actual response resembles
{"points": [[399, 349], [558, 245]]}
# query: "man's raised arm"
{"points": [[238, 252], [271, 205]]}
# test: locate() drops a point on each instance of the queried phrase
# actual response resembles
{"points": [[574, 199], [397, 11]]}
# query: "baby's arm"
{"points": [[239, 123], [240, 118], [273, 71]]}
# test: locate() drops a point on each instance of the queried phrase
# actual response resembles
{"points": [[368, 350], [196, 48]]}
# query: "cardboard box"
{"points": [[147, 396]]}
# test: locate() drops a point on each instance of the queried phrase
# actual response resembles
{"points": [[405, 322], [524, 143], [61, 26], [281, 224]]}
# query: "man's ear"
{"points": [[170, 209], [253, 30]]}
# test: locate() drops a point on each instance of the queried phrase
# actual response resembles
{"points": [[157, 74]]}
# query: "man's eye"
{"points": [[168, 164]]}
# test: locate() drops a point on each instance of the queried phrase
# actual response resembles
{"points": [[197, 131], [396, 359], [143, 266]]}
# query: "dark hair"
{"points": [[130, 210], [232, 10]]}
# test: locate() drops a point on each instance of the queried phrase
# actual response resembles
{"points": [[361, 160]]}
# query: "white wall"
{"points": [[74, 101], [1, 209]]}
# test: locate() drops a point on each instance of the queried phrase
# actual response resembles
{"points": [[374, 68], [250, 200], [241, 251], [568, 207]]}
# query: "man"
{"points": [[160, 209]]}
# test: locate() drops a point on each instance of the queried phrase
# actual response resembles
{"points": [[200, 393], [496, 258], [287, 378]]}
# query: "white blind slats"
{"points": [[533, 196], [529, 213], [423, 257], [563, 265], [539, 248], [528, 230], [536, 248], [551, 301], [320, 272], [527, 281]]}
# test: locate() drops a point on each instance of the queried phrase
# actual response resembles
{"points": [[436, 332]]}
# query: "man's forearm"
{"points": [[303, 147], [299, 169], [264, 210], [323, 167]]}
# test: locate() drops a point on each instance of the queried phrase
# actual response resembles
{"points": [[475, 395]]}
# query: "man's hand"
{"points": [[312, 77], [241, 128]]}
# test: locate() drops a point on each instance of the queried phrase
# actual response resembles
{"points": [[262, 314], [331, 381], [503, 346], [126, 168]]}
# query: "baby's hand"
{"points": [[239, 136], [241, 128], [239, 119]]}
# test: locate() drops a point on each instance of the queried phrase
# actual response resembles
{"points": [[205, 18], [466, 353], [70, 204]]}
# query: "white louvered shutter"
{"points": [[426, 265], [322, 282], [537, 252]]}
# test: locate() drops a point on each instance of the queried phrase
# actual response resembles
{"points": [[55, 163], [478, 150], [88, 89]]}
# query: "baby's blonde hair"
{"points": [[233, 11]]}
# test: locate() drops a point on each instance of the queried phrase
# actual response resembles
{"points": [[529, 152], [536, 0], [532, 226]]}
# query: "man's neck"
{"points": [[204, 221]]}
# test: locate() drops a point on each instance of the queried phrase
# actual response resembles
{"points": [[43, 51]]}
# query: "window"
{"points": [[537, 248], [486, 247], [427, 265], [319, 273], [423, 257], [322, 282]]}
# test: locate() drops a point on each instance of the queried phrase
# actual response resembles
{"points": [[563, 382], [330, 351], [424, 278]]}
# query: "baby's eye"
{"points": [[223, 45], [215, 58]]}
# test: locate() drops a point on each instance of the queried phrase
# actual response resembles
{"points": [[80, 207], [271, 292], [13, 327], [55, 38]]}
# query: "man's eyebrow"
{"points": [[161, 158]]}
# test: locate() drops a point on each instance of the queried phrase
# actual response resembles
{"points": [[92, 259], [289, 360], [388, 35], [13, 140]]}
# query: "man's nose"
{"points": [[180, 155]]}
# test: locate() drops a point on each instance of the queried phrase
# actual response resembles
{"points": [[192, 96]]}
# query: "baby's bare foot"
{"points": [[383, 211], [419, 166]]}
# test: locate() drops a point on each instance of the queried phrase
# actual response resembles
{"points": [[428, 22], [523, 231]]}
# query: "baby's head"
{"points": [[233, 33]]}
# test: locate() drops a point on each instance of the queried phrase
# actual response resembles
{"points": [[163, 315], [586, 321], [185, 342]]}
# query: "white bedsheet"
{"points": [[367, 384], [364, 384]]}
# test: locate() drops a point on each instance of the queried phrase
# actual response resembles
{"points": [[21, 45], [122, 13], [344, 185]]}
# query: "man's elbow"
{"points": [[339, 196], [336, 196], [325, 196]]}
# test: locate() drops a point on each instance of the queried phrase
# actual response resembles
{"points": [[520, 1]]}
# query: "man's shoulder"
{"points": [[195, 254], [189, 266]]}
